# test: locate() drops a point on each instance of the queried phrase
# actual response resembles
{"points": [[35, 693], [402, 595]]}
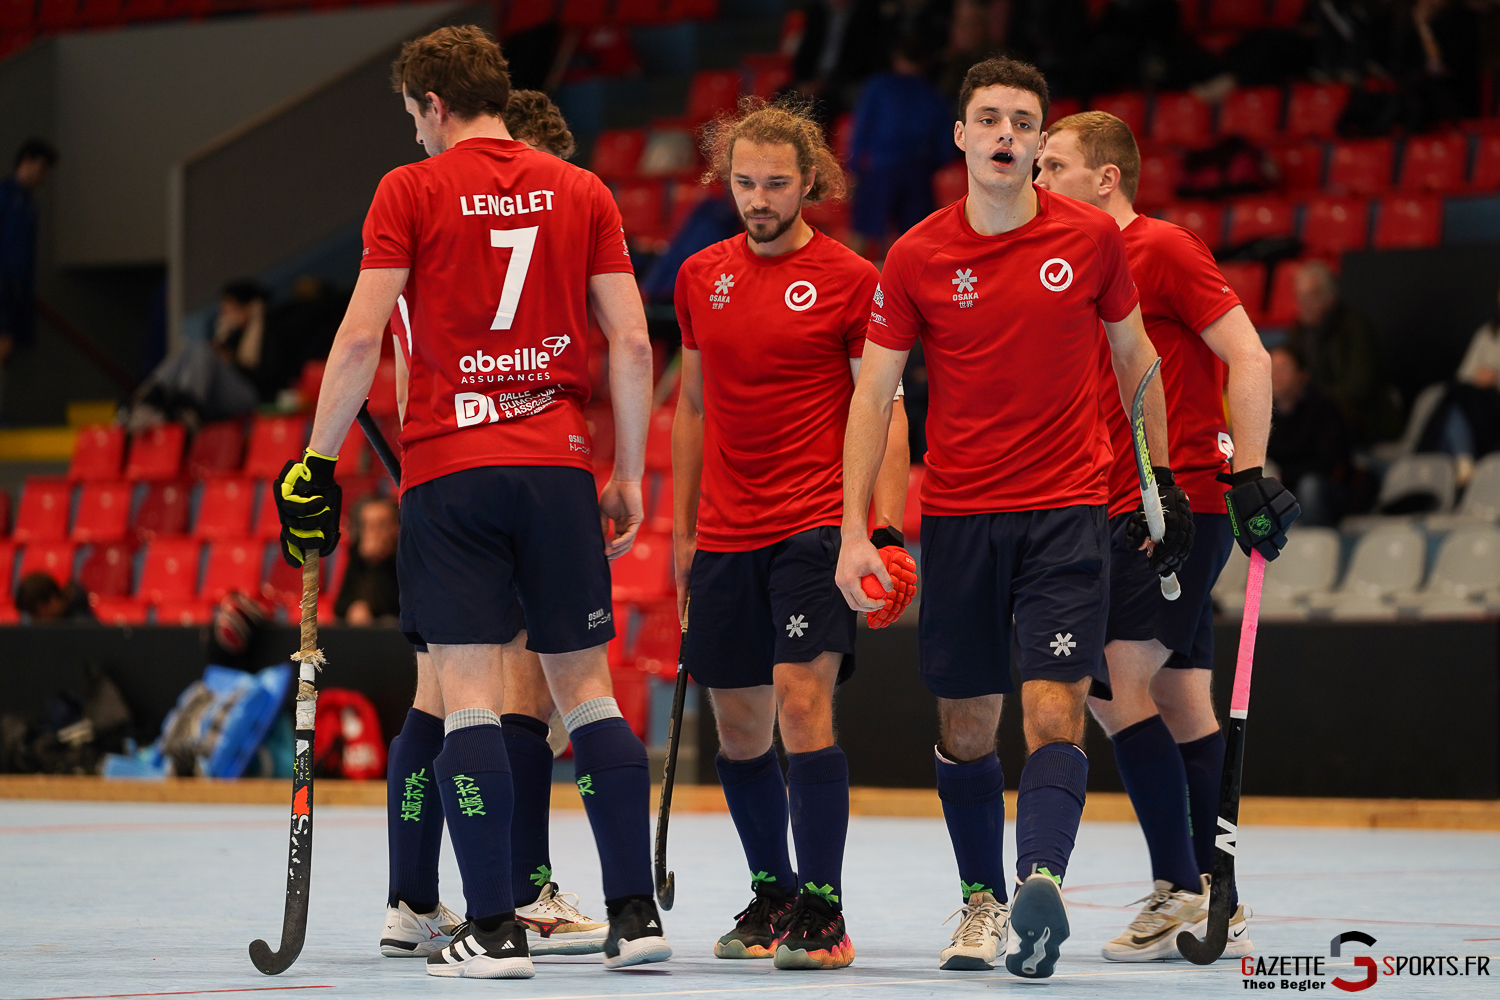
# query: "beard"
{"points": [[779, 227]]}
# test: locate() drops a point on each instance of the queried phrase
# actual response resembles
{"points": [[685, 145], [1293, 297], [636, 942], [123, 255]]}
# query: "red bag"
{"points": [[346, 741]]}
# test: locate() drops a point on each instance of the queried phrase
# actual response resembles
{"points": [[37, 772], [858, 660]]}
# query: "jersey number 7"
{"points": [[521, 242]]}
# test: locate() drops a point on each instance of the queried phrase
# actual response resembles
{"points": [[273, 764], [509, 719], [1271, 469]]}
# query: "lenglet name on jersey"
{"points": [[504, 204]]}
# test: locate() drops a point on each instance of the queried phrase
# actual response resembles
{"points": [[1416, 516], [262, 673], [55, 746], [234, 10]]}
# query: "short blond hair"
{"points": [[789, 120], [1105, 139]]}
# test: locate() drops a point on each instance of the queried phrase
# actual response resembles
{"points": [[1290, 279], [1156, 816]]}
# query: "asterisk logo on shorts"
{"points": [[965, 280], [796, 625], [724, 284], [1063, 645]]}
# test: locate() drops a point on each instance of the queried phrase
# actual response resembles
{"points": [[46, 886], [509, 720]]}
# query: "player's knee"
{"points": [[967, 734], [804, 715]]}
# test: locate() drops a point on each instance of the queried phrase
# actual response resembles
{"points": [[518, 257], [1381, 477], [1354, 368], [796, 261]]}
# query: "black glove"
{"points": [[1168, 555], [308, 502], [1260, 511]]}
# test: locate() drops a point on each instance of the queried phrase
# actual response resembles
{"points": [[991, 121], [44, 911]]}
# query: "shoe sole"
{"points": [[1038, 927], [639, 952], [967, 963], [485, 968], [738, 950], [583, 943], [823, 958], [407, 949]]}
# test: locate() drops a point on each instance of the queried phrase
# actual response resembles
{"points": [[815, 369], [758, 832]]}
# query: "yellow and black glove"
{"points": [[309, 503]]}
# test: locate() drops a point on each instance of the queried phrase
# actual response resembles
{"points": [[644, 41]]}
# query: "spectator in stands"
{"points": [[296, 332], [39, 598], [1309, 440], [18, 225], [902, 134], [843, 42], [209, 379], [1341, 354], [1466, 422], [370, 593]]}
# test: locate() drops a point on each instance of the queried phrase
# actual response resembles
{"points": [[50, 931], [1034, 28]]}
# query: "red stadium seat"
{"points": [[687, 196], [4, 513], [769, 72], [1204, 218], [712, 92], [1160, 174], [1248, 279], [699, 10], [45, 506], [617, 153], [186, 613], [601, 422], [831, 217], [658, 641], [101, 13], [1361, 166], [283, 584], [632, 693], [233, 568], [118, 611], [639, 11], [1406, 222], [659, 505], [1332, 226], [267, 523], [16, 14], [170, 572], [1252, 112], [1181, 119], [354, 455], [156, 453], [643, 211], [523, 14], [1129, 108], [52, 558], [1300, 164], [950, 183], [98, 453], [58, 15], [273, 440], [163, 512], [1258, 218], [1061, 108], [103, 512], [1286, 13], [383, 389], [107, 569], [1281, 310], [1237, 13], [1486, 162], [1314, 108], [224, 509], [659, 440], [584, 13], [310, 383], [644, 574], [217, 449], [1435, 162]]}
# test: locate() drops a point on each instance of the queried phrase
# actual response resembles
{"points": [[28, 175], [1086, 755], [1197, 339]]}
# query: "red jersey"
{"points": [[1182, 294], [501, 241], [775, 335], [1010, 335]]}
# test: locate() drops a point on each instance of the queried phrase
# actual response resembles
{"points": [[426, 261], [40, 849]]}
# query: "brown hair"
{"points": [[462, 65], [1105, 139], [789, 120], [532, 118], [1002, 72]]}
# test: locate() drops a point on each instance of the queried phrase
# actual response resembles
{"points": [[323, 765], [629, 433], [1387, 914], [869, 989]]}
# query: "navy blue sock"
{"points": [[1154, 778], [1049, 805], [973, 797], [473, 773], [756, 794], [615, 782], [414, 813], [818, 791], [1203, 760], [531, 776]]}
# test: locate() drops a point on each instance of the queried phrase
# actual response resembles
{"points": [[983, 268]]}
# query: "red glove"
{"points": [[903, 572]]}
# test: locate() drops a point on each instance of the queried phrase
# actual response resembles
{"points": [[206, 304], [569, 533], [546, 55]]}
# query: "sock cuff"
{"points": [[1056, 765], [423, 727], [608, 743], [514, 722], [974, 782], [467, 717], [737, 772], [1153, 724], [1201, 743], [473, 749], [593, 710], [817, 766]]}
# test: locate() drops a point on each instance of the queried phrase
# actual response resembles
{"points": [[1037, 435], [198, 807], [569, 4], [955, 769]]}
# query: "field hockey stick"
{"points": [[299, 861], [666, 882], [1150, 499], [1216, 935]]}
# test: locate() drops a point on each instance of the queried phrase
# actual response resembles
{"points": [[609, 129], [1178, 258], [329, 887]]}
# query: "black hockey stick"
{"points": [[299, 861], [377, 441], [666, 883], [1150, 499], [1216, 935]]}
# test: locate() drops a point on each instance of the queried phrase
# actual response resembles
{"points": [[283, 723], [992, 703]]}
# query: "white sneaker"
{"points": [[416, 935], [980, 935], [1152, 935], [475, 954], [555, 927], [1239, 944]]}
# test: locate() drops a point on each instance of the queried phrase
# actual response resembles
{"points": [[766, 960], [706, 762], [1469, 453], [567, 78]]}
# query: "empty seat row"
{"points": [[1326, 225]]}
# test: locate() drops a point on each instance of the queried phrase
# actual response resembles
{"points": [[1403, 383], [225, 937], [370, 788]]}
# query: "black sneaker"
{"points": [[635, 935], [477, 954], [814, 937], [758, 925]]}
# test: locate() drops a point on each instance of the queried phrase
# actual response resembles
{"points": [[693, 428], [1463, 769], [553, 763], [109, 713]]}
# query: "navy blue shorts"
{"points": [[1138, 612], [749, 611], [476, 543], [1036, 580], [515, 623]]}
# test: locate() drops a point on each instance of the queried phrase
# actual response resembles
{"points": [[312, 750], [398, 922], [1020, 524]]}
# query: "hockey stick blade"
{"points": [[666, 881], [1226, 843], [1150, 498]]}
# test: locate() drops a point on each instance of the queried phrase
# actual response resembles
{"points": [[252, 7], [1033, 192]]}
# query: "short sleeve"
{"points": [[611, 255], [680, 299], [1117, 294], [895, 320], [857, 316], [1197, 291], [389, 231]]}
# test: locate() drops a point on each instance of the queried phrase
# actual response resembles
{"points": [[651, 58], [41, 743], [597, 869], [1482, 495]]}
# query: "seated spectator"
{"points": [[1341, 354], [39, 598], [1466, 423], [296, 331], [1309, 440], [370, 592], [210, 379]]}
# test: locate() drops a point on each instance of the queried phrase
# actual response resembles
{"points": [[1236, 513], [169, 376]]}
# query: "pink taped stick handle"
{"points": [[1244, 665]]}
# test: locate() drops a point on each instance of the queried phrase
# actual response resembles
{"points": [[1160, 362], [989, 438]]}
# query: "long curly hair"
{"points": [[788, 120]]}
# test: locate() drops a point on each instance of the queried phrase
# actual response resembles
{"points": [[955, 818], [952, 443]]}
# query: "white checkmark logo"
{"points": [[1056, 274], [800, 296]]}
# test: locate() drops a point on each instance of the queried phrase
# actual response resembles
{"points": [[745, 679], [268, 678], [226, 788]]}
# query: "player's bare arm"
{"points": [[865, 443], [889, 504], [617, 306], [1132, 353], [687, 471], [354, 357], [1234, 339]]}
